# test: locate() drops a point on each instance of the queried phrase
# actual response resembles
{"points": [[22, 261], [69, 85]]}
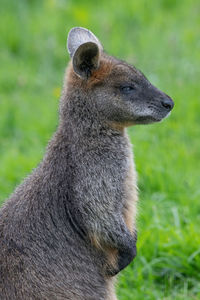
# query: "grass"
{"points": [[160, 37]]}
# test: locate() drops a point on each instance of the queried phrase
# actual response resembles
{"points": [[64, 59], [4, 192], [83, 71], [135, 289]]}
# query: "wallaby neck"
{"points": [[79, 120]]}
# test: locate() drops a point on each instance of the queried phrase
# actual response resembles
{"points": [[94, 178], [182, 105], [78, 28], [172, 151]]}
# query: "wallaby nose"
{"points": [[167, 103]]}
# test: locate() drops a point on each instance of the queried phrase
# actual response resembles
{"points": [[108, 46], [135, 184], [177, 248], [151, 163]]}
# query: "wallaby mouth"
{"points": [[148, 120], [157, 111], [157, 106]]}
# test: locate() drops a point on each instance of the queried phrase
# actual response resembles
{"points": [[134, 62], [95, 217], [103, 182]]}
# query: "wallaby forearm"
{"points": [[109, 233], [117, 237]]}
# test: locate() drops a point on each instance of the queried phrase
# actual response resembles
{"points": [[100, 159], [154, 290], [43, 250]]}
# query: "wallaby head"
{"points": [[116, 91]]}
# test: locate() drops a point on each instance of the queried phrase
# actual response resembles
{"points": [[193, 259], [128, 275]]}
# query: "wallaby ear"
{"points": [[84, 49]]}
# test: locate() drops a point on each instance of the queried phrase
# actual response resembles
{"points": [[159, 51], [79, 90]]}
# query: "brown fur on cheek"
{"points": [[71, 77], [101, 73], [96, 77]]}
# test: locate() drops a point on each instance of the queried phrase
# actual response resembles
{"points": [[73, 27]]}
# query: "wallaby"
{"points": [[69, 228]]}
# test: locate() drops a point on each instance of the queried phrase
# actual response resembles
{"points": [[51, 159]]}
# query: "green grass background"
{"points": [[162, 38]]}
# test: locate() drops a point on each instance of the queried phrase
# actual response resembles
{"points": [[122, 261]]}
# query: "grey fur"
{"points": [[61, 226]]}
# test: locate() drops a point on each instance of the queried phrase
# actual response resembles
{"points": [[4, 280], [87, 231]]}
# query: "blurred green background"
{"points": [[162, 38]]}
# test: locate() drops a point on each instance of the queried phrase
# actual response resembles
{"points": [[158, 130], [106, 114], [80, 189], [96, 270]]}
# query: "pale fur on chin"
{"points": [[167, 116], [169, 113]]}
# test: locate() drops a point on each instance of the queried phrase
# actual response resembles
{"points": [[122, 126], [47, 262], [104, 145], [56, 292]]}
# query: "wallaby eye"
{"points": [[126, 89]]}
